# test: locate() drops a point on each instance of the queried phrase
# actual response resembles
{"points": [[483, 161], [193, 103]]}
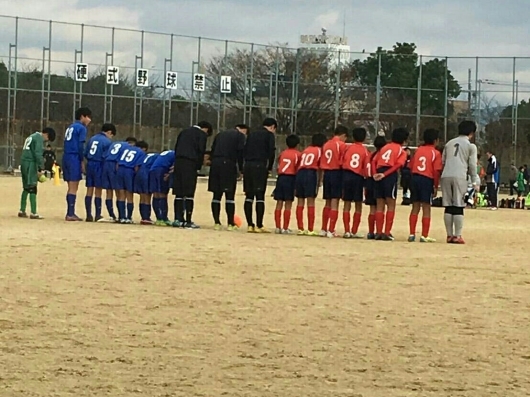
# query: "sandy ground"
{"points": [[126, 310]]}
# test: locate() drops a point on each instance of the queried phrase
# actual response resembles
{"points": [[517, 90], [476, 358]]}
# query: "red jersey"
{"points": [[288, 162], [371, 164], [355, 158], [333, 151], [392, 155], [310, 158], [427, 161]]}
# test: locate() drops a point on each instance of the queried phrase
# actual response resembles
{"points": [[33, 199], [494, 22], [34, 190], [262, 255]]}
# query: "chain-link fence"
{"points": [[151, 85]]}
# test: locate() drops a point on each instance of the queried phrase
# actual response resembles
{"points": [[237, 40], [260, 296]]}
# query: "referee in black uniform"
{"points": [[226, 163], [189, 158], [260, 152]]}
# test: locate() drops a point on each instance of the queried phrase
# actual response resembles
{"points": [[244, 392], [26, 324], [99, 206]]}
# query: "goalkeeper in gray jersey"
{"points": [[460, 161]]}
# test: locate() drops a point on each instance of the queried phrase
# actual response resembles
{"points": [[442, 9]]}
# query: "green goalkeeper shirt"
{"points": [[33, 149]]}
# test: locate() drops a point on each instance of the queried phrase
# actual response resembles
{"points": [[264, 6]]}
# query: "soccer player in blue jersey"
{"points": [[73, 166], [141, 187], [109, 173], [129, 159], [159, 185], [95, 151]]}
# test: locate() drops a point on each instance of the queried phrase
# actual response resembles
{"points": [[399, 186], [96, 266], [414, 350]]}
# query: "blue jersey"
{"points": [[114, 151], [164, 161], [148, 161], [131, 156], [97, 147], [74, 139]]}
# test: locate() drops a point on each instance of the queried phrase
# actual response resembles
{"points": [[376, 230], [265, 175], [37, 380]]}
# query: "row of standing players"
{"points": [[347, 172]]}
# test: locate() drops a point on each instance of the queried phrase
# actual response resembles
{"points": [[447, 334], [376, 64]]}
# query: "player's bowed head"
{"points": [[48, 134]]}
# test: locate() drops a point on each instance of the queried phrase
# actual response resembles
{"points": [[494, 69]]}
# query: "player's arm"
{"points": [[240, 152], [272, 151], [81, 142], [437, 168], [472, 166], [400, 162], [38, 153], [201, 150]]}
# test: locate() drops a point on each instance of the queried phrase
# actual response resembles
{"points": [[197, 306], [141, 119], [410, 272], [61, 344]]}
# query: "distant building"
{"points": [[337, 46]]}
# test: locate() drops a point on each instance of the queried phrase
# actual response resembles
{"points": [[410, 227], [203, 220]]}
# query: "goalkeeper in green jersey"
{"points": [[31, 167]]}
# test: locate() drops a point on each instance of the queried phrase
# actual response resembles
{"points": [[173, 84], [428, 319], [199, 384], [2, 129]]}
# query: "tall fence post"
{"points": [[78, 85], [109, 91], [138, 90], [294, 93], [46, 81], [446, 99], [418, 102], [514, 106], [12, 77], [378, 95], [220, 107], [337, 90]]}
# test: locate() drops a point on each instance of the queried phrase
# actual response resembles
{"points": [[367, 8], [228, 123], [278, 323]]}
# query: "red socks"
{"points": [[346, 220], [310, 218], [371, 224], [300, 217], [325, 218], [356, 222], [333, 217], [286, 219], [379, 222], [413, 221], [278, 218], [425, 226], [389, 222]]}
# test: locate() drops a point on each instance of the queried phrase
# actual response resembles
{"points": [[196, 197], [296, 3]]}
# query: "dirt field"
{"points": [[129, 310]]}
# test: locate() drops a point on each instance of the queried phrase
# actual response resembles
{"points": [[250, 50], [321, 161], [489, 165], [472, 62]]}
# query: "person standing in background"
{"points": [[492, 175], [49, 160], [514, 172]]}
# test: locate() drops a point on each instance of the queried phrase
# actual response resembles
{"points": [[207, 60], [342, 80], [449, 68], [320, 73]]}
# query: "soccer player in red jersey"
{"points": [[331, 163], [426, 166], [369, 193], [354, 163], [308, 179], [285, 184], [392, 157]]}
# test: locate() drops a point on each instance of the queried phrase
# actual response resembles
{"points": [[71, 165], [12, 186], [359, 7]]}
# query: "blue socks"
{"points": [[97, 202], [70, 201], [130, 210], [88, 206], [156, 208], [110, 208], [121, 209]]}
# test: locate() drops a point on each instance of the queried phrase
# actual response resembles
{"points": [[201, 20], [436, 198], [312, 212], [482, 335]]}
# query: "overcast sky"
{"points": [[438, 27]]}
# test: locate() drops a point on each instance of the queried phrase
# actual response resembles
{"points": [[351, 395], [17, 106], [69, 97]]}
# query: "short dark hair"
{"points": [[50, 132], [400, 135], [82, 111], [109, 127], [207, 125], [478, 156], [270, 122], [430, 136], [340, 130], [359, 134], [142, 145], [467, 127], [131, 140], [318, 140], [242, 127], [379, 142], [292, 141]]}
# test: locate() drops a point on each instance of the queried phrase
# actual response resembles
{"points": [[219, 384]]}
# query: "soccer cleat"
{"points": [[357, 236], [331, 235], [123, 221], [218, 227], [378, 237], [177, 223], [493, 208], [347, 235], [323, 233], [146, 222], [129, 221], [74, 218], [287, 231], [427, 240], [412, 238], [251, 229], [191, 225], [301, 233], [450, 239], [370, 236], [312, 233], [232, 228], [458, 240], [89, 219], [35, 216], [387, 237], [261, 230], [277, 231], [22, 214], [98, 219]]}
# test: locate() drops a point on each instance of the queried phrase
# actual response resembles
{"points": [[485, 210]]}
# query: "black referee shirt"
{"points": [[191, 145], [260, 147], [229, 145]]}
